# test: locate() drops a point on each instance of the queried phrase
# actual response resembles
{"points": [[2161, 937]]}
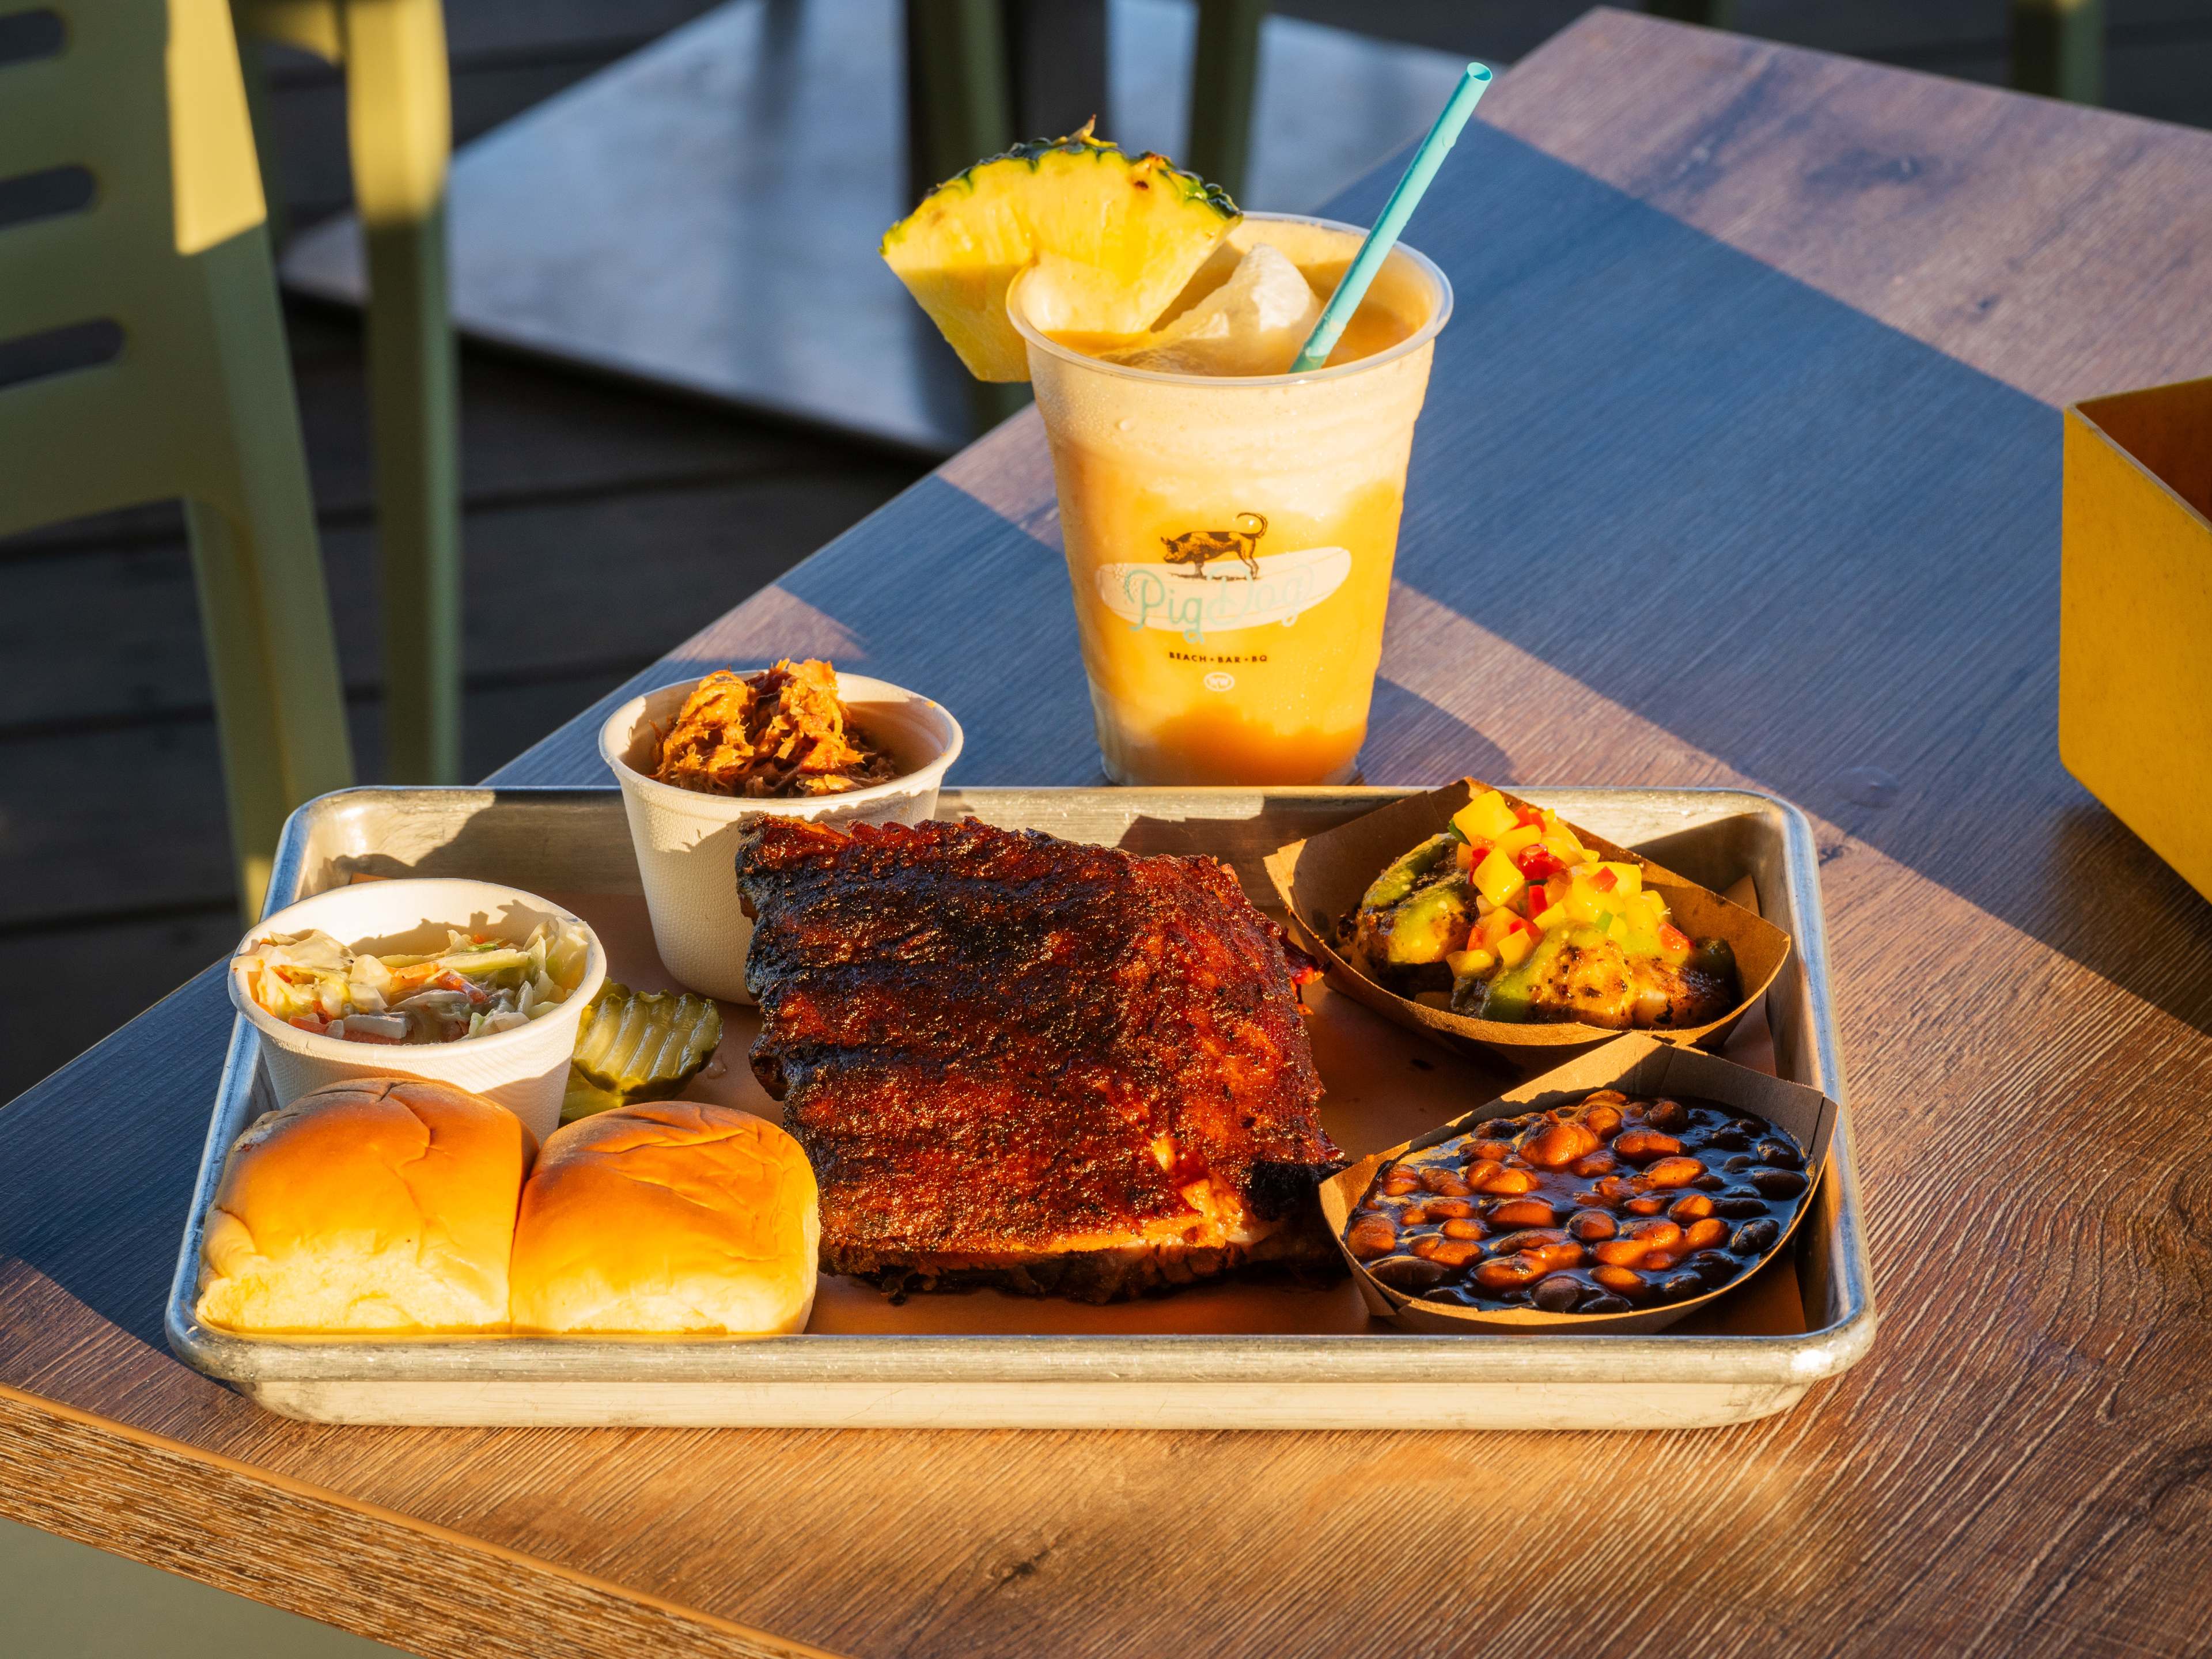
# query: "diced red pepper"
{"points": [[1604, 881], [1538, 862], [1529, 815], [1673, 939]]}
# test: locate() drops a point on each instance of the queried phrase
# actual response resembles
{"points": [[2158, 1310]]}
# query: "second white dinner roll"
{"points": [[666, 1218], [379, 1204]]}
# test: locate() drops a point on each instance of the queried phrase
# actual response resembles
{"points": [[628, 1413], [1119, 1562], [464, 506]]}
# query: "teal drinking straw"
{"points": [[1395, 212]]}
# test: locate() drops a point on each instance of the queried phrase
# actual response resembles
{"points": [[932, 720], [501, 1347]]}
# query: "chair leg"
{"points": [[1224, 77], [1712, 14], [959, 110], [959, 94], [265, 606], [280, 711], [258, 567], [257, 111], [399, 120], [2058, 49], [414, 424]]}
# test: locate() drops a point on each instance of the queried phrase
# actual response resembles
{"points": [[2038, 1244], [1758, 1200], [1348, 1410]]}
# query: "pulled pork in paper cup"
{"points": [[1474, 916]]}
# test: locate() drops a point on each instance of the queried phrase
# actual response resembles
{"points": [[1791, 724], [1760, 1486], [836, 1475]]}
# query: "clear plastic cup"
{"points": [[1229, 540]]}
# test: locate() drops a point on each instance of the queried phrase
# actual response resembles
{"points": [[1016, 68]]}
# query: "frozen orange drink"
{"points": [[1229, 526], [1230, 536]]}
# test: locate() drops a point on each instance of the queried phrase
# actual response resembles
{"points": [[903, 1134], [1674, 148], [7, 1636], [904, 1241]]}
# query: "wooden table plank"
{"points": [[1680, 515], [101, 1483], [2009, 232]]}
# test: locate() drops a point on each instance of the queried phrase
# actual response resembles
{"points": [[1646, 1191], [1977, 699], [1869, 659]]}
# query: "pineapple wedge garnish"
{"points": [[1124, 233]]}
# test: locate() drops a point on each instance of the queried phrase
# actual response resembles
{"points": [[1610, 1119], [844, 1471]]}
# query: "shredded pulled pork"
{"points": [[779, 733]]}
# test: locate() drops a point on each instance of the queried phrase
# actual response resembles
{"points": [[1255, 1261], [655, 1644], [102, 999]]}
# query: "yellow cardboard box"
{"points": [[2134, 634]]}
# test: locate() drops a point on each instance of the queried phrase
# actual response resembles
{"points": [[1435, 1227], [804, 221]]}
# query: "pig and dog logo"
{"points": [[1250, 589], [1199, 548]]}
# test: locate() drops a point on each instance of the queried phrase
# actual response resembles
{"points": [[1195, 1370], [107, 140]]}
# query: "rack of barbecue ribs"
{"points": [[1015, 1060]]}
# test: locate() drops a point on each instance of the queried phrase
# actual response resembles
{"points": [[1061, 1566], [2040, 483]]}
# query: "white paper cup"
{"points": [[687, 843], [525, 1070]]}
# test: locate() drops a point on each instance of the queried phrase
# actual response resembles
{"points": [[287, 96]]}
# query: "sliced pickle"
{"points": [[636, 1046], [582, 1098]]}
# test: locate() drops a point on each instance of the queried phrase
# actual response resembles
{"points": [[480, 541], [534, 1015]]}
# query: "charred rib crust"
{"points": [[983, 1038]]}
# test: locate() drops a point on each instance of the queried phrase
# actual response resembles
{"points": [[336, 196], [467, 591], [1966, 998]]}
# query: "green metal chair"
{"points": [[153, 307], [399, 136]]}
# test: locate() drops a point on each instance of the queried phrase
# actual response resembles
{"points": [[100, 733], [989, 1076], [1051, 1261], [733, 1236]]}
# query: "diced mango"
{"points": [[1550, 917], [1486, 817], [1627, 878], [1617, 931], [1471, 964], [1514, 948], [1525, 834], [1492, 928], [1496, 878], [1583, 903]]}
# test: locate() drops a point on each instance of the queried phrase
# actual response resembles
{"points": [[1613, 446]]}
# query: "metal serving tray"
{"points": [[1224, 1357]]}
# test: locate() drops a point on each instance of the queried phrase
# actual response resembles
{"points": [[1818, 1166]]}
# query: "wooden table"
{"points": [[1742, 463]]}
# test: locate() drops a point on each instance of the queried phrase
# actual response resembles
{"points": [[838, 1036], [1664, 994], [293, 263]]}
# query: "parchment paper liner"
{"points": [[1637, 1065], [1322, 878]]}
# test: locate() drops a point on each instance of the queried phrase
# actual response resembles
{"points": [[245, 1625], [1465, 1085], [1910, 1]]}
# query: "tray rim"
{"points": [[1280, 1360]]}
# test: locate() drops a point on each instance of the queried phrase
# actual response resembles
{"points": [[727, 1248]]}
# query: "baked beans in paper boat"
{"points": [[1638, 1067]]}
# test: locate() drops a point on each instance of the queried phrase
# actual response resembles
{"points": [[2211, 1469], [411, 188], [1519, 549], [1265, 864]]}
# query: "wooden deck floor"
{"points": [[603, 523]]}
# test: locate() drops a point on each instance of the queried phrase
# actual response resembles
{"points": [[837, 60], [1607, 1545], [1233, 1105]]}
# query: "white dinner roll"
{"points": [[668, 1217], [379, 1204]]}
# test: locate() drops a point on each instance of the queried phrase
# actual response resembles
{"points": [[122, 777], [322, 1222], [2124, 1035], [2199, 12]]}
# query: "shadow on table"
{"points": [[1813, 547], [1405, 732], [99, 1162]]}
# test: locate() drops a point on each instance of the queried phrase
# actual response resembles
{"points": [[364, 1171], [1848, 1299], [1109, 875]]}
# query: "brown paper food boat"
{"points": [[1637, 1064], [1322, 879]]}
